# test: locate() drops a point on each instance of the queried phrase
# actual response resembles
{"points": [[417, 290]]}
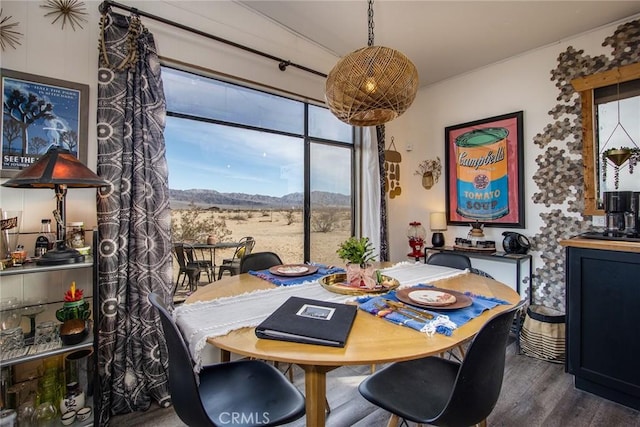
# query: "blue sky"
{"points": [[225, 159], [204, 155]]}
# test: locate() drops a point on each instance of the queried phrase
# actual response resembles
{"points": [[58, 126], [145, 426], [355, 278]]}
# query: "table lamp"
{"points": [[438, 223], [58, 169]]}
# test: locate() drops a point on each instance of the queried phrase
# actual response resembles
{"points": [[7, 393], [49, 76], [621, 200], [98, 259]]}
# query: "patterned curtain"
{"points": [[384, 232], [134, 220]]}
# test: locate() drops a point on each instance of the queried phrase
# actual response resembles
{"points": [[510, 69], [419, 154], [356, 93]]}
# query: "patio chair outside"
{"points": [[187, 269], [232, 265]]}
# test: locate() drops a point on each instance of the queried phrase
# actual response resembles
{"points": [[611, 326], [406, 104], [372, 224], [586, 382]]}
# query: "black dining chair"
{"points": [[205, 265], [232, 265], [239, 393], [442, 392], [259, 261], [458, 261], [187, 269]]}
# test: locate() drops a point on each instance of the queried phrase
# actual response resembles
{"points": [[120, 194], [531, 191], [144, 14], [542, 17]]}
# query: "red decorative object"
{"points": [[73, 294], [416, 234]]}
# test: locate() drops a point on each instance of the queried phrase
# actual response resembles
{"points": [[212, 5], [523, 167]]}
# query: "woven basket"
{"points": [[543, 334], [371, 86]]}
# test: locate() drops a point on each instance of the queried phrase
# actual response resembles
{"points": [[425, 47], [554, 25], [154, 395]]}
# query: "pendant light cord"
{"points": [[370, 15]]}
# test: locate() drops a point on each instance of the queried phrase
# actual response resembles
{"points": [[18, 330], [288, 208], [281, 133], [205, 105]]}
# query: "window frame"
{"points": [[307, 142]]}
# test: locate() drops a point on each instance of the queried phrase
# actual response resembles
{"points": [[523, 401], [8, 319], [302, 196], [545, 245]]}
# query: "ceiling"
{"points": [[443, 38]]}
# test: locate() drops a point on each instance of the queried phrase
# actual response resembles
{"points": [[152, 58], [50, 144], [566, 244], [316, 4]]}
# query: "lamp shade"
{"points": [[57, 167], [371, 86], [438, 221]]}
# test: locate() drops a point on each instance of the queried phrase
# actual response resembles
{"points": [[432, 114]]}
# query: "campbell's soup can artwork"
{"points": [[482, 183]]}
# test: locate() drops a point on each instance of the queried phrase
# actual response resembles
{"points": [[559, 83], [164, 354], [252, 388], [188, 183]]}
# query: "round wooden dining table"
{"points": [[372, 340]]}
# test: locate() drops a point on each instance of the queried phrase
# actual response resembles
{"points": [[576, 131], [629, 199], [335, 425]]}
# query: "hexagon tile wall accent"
{"points": [[559, 175]]}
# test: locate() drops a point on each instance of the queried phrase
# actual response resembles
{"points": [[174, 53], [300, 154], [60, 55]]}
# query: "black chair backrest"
{"points": [[479, 380], [458, 261], [189, 253], [259, 261], [182, 380], [178, 251]]}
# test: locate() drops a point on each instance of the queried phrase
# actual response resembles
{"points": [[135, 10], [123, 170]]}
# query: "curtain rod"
{"points": [[282, 63]]}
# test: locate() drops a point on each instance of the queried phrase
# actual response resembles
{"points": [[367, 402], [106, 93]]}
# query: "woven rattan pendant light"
{"points": [[371, 85]]}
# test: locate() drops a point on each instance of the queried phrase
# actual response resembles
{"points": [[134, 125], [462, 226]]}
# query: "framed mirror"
{"points": [[610, 132]]}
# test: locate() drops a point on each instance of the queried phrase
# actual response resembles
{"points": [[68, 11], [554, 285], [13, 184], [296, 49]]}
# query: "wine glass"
{"points": [[31, 308], [9, 317]]}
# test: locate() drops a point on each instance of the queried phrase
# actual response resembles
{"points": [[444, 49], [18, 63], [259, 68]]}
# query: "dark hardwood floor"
{"points": [[534, 393]]}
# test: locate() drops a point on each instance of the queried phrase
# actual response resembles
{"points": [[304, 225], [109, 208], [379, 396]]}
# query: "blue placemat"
{"points": [[323, 270], [458, 317]]}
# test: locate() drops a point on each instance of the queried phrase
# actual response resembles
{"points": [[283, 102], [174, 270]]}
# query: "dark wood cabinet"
{"points": [[603, 322]]}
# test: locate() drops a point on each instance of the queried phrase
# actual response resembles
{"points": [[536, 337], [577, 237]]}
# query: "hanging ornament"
{"points": [[619, 156], [392, 159], [8, 35], [71, 10], [430, 171]]}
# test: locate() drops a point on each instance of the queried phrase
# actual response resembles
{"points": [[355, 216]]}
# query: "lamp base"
{"points": [[59, 256], [437, 240]]}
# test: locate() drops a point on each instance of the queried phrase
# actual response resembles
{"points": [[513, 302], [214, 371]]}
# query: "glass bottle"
{"points": [[45, 240]]}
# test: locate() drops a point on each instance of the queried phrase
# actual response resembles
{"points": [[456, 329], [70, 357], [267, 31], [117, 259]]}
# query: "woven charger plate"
{"points": [[338, 283]]}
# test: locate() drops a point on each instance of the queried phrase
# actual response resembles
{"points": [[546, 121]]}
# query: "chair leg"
{"points": [[482, 423], [393, 421]]}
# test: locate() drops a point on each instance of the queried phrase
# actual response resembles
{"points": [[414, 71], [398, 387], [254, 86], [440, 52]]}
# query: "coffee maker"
{"points": [[632, 217], [617, 204]]}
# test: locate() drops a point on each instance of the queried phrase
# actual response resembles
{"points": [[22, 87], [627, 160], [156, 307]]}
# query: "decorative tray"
{"points": [[337, 283], [460, 301], [293, 270], [474, 249]]}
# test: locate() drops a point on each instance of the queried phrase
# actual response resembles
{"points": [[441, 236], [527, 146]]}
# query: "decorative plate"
{"points": [[293, 270], [433, 298], [462, 300], [338, 283]]}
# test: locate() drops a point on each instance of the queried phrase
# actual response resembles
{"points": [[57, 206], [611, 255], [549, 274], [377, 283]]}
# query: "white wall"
{"points": [[519, 83]]}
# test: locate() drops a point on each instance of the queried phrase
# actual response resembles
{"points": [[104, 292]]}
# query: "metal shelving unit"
{"points": [[88, 342]]}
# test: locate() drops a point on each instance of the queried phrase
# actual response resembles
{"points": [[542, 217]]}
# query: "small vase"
{"points": [[361, 276]]}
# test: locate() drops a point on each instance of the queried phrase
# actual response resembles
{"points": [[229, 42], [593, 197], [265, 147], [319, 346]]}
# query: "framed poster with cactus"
{"points": [[37, 113]]}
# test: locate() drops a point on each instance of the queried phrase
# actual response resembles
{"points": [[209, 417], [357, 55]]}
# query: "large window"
{"points": [[251, 163]]}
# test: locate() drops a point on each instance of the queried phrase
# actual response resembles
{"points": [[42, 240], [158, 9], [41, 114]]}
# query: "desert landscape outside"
{"points": [[274, 230]]}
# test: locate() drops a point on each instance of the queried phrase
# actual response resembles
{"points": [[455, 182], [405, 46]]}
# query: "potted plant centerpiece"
{"points": [[358, 253]]}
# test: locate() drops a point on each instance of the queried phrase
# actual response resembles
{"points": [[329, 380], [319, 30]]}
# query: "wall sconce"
{"points": [[438, 224]]}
